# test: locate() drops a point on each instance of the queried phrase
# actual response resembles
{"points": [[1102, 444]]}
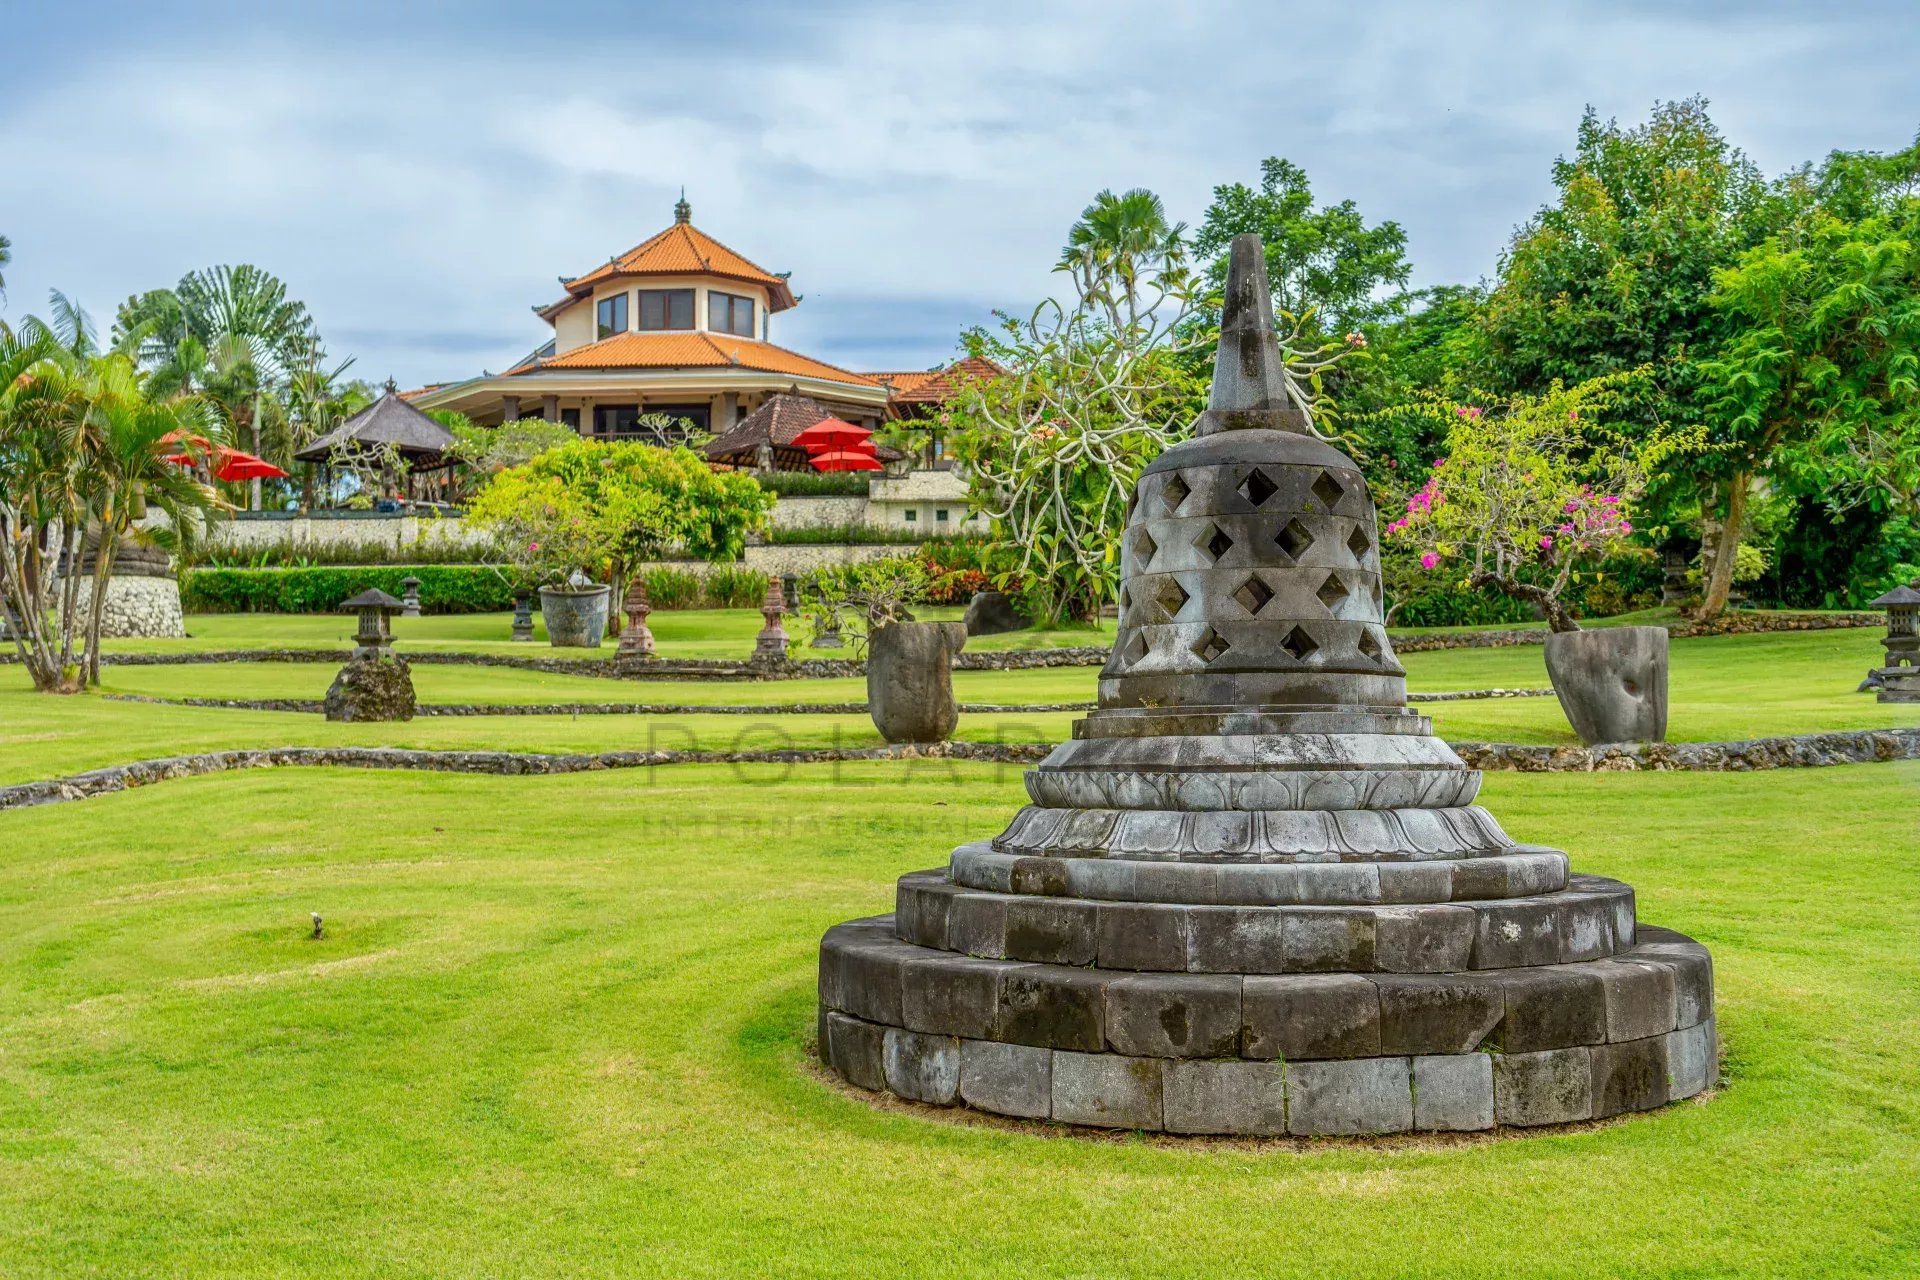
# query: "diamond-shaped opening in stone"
{"points": [[1211, 646], [1256, 488], [1368, 646], [1144, 547], [1332, 592], [1125, 599], [1214, 542], [1358, 544], [1253, 595], [1327, 489], [1294, 539], [1299, 645], [1136, 649], [1170, 596], [1176, 491]]}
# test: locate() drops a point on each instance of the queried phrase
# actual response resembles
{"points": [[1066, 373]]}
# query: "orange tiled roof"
{"points": [[684, 249], [936, 386], [693, 349]]}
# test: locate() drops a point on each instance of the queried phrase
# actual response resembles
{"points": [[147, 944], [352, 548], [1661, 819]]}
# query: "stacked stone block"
{"points": [[1253, 894]]}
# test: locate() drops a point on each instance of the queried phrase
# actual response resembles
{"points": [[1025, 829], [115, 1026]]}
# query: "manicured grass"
{"points": [[1723, 688], [558, 1027], [680, 633]]}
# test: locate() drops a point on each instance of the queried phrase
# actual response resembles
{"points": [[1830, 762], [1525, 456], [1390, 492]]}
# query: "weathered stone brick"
{"points": [[1551, 1007], [1053, 1006], [1108, 1090], [1142, 936], [1425, 939], [1365, 1095], [1453, 1091], [1236, 940], [1306, 1015], [1228, 1096], [1051, 930], [1174, 1015], [855, 1050], [922, 1067], [1436, 1013], [951, 995], [1640, 998], [1329, 940], [1630, 1076], [977, 924], [1693, 1060], [1554, 1086], [1007, 1079]]}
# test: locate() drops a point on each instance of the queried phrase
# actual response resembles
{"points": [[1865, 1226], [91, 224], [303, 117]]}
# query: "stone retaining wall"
{"points": [[1799, 751]]}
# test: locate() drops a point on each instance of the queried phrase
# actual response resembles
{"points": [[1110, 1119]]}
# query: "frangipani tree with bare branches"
{"points": [[1097, 386]]}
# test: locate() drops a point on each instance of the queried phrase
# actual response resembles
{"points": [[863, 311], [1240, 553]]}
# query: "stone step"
{"points": [[1336, 834], [1589, 920], [1661, 983], [1522, 871]]}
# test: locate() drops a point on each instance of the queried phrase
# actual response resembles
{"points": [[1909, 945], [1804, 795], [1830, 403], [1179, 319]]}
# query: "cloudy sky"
{"points": [[420, 174]]}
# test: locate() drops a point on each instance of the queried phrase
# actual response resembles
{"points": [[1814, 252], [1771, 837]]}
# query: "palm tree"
{"points": [[6, 256], [228, 332]]}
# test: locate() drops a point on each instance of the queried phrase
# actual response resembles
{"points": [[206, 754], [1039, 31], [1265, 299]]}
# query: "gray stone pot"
{"points": [[993, 613], [910, 680], [575, 619], [1612, 682]]}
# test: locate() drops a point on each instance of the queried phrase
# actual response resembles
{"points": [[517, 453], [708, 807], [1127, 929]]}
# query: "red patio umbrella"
{"points": [[235, 465], [845, 460], [831, 433]]}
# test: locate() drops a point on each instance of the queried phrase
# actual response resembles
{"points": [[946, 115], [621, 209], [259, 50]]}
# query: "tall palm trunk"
{"points": [[253, 485]]}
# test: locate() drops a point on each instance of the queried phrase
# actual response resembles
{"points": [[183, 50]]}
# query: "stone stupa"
{"points": [[1253, 894]]}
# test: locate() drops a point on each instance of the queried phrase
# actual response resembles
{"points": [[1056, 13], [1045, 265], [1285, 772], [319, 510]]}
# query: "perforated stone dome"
{"points": [[1253, 893]]}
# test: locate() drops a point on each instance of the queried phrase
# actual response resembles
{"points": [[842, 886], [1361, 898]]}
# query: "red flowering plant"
{"points": [[1532, 493]]}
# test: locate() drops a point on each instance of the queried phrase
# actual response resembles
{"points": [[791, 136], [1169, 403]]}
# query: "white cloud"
{"points": [[904, 164]]}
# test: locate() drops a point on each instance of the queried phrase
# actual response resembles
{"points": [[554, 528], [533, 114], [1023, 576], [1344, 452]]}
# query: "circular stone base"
{"points": [[1302, 1054]]}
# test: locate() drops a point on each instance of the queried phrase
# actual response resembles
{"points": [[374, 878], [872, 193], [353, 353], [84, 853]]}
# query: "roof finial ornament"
{"points": [[1249, 376], [682, 211], [393, 388]]}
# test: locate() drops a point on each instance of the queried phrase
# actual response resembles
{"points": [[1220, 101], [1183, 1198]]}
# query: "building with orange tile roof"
{"points": [[678, 325]]}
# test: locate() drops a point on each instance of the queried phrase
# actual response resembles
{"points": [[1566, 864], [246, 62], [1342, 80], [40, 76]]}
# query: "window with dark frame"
{"points": [[612, 314], [666, 309], [729, 313]]}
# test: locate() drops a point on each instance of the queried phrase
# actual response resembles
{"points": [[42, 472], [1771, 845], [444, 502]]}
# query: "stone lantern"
{"points": [[376, 683], [410, 597], [770, 646], [1899, 679], [522, 617], [1253, 893], [636, 642]]}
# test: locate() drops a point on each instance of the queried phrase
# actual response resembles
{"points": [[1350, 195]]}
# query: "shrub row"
{"points": [[444, 588], [289, 554], [722, 587], [857, 535], [815, 484]]}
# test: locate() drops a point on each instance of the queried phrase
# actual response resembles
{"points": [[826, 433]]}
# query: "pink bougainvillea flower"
{"points": [[1546, 542], [1429, 560], [1625, 527]]}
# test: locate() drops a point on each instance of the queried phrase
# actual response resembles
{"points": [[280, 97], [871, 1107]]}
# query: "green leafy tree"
{"points": [[6, 259], [602, 508], [1817, 379], [1531, 491], [1324, 262]]}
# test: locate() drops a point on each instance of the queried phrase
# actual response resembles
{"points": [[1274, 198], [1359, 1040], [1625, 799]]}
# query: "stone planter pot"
{"points": [[910, 680], [1612, 682], [575, 619]]}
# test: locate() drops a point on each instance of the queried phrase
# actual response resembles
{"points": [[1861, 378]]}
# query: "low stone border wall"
{"points": [[479, 709], [1814, 750], [140, 773], [1800, 751], [1478, 695]]}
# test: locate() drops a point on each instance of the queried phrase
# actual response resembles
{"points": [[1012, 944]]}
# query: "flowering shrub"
{"points": [[1530, 494]]}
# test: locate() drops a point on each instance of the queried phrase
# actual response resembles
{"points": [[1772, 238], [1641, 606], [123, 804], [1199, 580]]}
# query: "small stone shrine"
{"points": [[770, 646], [376, 683], [1899, 679], [409, 597], [636, 642], [522, 619], [1253, 894]]}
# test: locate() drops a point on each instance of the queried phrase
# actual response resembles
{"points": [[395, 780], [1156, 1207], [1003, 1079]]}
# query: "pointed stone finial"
{"points": [[1249, 380], [682, 211]]}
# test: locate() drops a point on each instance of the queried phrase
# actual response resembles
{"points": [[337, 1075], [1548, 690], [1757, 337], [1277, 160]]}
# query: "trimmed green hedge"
{"points": [[444, 588]]}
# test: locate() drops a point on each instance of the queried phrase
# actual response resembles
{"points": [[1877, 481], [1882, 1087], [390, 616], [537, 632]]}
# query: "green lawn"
{"points": [[1722, 688], [558, 1029]]}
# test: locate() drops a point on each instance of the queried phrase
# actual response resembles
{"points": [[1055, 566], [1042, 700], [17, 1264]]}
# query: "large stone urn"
{"points": [[993, 613], [1612, 682], [576, 618], [910, 680], [1253, 893]]}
